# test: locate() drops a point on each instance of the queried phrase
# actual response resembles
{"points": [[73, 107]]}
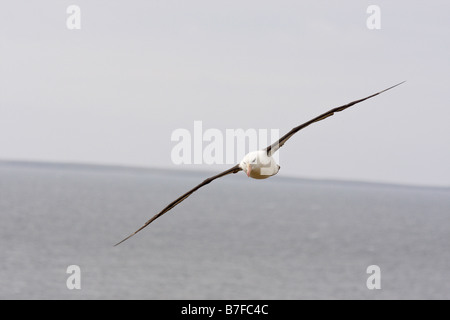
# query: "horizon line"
{"points": [[92, 165]]}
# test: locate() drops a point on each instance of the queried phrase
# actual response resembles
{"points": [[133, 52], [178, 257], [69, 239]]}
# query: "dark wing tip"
{"points": [[122, 241], [134, 233], [393, 86], [125, 239]]}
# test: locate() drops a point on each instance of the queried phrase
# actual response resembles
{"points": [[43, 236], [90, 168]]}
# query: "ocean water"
{"points": [[236, 238]]}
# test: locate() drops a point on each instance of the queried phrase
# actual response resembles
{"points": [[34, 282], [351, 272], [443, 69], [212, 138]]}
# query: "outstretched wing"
{"points": [[169, 207], [278, 144]]}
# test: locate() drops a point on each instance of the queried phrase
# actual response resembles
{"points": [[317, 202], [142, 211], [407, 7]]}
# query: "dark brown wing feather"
{"points": [[174, 203], [278, 144]]}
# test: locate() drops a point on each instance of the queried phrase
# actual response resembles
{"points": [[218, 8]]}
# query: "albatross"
{"points": [[257, 164]]}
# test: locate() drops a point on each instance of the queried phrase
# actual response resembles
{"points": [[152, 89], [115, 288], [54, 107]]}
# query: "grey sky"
{"points": [[114, 91]]}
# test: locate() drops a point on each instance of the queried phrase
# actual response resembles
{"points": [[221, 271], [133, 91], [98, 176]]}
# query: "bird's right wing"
{"points": [[278, 144], [171, 205]]}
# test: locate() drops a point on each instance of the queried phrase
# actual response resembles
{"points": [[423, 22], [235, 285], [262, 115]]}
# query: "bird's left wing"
{"points": [[278, 144], [174, 203]]}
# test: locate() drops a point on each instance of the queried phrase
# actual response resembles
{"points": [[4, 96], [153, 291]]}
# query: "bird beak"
{"points": [[249, 169]]}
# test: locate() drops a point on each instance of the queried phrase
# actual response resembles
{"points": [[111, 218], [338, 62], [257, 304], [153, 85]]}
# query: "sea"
{"points": [[237, 238]]}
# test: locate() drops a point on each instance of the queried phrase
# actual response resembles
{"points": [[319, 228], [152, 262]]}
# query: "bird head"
{"points": [[250, 164], [247, 167]]}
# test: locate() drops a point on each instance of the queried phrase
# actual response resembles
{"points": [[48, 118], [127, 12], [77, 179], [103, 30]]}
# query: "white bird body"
{"points": [[258, 165]]}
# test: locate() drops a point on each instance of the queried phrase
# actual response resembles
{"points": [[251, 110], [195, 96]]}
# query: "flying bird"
{"points": [[257, 164]]}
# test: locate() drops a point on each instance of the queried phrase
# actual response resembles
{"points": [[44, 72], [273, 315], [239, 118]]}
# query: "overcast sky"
{"points": [[115, 91]]}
